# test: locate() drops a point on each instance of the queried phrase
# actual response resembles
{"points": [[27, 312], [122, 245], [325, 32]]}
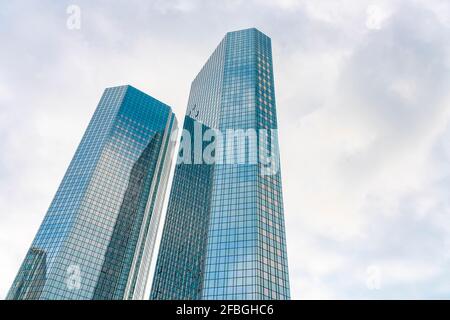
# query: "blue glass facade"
{"points": [[224, 236], [98, 235]]}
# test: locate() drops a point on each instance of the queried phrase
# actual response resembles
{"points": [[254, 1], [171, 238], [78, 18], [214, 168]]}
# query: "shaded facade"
{"points": [[224, 235], [98, 235]]}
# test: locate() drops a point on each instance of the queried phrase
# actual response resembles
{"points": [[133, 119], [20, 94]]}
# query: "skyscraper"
{"points": [[224, 235], [98, 235]]}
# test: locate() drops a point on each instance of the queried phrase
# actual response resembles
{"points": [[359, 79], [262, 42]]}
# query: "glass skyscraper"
{"points": [[98, 235], [224, 235]]}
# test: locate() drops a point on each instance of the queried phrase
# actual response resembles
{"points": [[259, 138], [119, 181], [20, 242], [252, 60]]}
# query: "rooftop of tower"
{"points": [[247, 29]]}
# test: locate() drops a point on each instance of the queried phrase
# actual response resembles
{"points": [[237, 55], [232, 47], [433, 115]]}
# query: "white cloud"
{"points": [[376, 15], [5, 93]]}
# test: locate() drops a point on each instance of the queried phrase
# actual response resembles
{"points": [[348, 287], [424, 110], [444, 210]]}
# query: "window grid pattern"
{"points": [[180, 266], [206, 90], [273, 270], [228, 243], [93, 226], [246, 257]]}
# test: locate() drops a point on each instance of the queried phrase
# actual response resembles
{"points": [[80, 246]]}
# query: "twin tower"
{"points": [[224, 233]]}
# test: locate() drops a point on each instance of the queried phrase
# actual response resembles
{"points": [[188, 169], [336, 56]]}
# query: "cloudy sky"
{"points": [[363, 97]]}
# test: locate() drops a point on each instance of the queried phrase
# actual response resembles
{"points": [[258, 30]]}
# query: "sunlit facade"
{"points": [[224, 235], [98, 235]]}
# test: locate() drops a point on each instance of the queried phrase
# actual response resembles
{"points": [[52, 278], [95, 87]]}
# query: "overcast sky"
{"points": [[363, 98]]}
